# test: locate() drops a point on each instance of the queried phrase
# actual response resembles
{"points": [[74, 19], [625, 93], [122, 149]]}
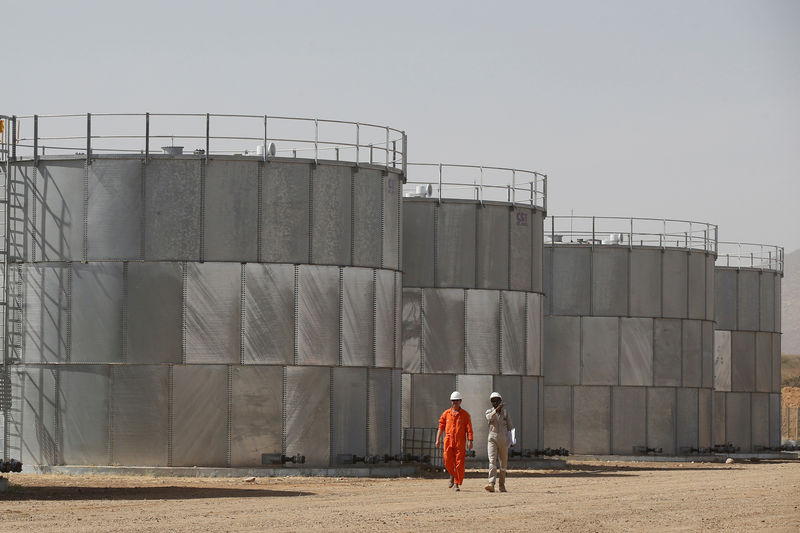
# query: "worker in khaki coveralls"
{"points": [[499, 427], [456, 425]]}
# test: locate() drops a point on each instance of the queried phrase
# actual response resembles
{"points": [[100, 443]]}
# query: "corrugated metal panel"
{"points": [[21, 223], [743, 360], [455, 245], [675, 282], [718, 403], [140, 415], [231, 211], [661, 414], [763, 363], [738, 425], [561, 356], [483, 320], [645, 283], [667, 353], [379, 412], [200, 415], [412, 330], [318, 315], [59, 224], [610, 281], [521, 260], [708, 354], [46, 313], [636, 353], [704, 418], [384, 318], [697, 285], [529, 421], [269, 314], [397, 322], [443, 329], [358, 328], [419, 229], [213, 312], [256, 412], [629, 425], [537, 218], [97, 312], [331, 215], [349, 413], [558, 417], [285, 205], [38, 415], [747, 301], [600, 351], [492, 251], [367, 192], [760, 419], [172, 210], [725, 281], [83, 410], [391, 221], [116, 209], [513, 333], [308, 413], [534, 318], [430, 396], [766, 305], [570, 284], [592, 412], [692, 365], [722, 360], [155, 295], [686, 422], [776, 362], [476, 391]]}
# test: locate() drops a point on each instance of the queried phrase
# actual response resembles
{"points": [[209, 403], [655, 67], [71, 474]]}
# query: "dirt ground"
{"points": [[585, 496]]}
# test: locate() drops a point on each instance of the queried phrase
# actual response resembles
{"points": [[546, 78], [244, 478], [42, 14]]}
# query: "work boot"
{"points": [[489, 487], [458, 489], [502, 482], [452, 480]]}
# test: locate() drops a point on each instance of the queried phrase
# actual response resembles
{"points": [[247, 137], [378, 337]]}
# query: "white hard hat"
{"points": [[495, 395], [456, 396]]}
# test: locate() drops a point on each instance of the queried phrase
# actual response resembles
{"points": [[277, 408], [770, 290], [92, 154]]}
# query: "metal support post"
{"points": [[88, 138], [35, 140], [208, 135], [146, 136]]}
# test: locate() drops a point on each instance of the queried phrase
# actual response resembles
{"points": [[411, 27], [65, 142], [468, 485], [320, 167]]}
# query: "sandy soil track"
{"points": [[586, 496]]}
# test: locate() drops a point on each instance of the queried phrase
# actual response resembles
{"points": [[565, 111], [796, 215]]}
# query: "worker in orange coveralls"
{"points": [[456, 425]]}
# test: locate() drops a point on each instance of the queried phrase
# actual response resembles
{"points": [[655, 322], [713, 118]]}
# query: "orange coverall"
{"points": [[457, 428]]}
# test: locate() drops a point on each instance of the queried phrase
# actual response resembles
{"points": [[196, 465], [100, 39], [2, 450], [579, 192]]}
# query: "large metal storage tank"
{"points": [[472, 295], [628, 334], [203, 308], [747, 353]]}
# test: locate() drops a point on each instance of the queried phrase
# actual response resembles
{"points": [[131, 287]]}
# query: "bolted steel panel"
{"points": [[399, 410], [743, 361], [529, 421], [285, 205], [231, 211], [722, 360], [140, 414], [512, 334], [710, 282], [199, 415], [419, 230], [358, 328], [367, 198], [522, 251], [443, 330], [412, 330], [777, 302], [392, 198], [534, 321], [610, 281], [592, 422], [21, 186], [636, 352], [510, 388], [59, 224], [397, 323], [571, 274], [686, 420], [547, 278], [455, 245], [645, 282], [46, 313], [476, 390], [405, 400], [667, 353], [774, 420], [430, 397], [256, 413], [692, 363], [704, 419], [308, 413], [725, 283], [747, 300], [172, 210], [718, 402], [557, 414], [96, 319], [318, 315], [37, 412], [561, 355], [776, 362], [661, 415], [155, 295], [269, 314], [629, 423], [537, 218], [674, 283], [697, 285], [331, 214], [738, 422], [483, 321], [380, 417], [766, 304], [600, 351], [115, 209], [708, 354], [763, 363], [760, 418], [349, 412], [83, 414], [213, 312], [384, 318], [493, 247]]}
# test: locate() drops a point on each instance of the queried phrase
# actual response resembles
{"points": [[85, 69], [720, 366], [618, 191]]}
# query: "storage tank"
{"points": [[747, 355], [628, 334], [472, 295], [203, 306]]}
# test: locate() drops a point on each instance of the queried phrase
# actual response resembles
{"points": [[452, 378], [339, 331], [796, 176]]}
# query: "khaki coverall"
{"points": [[499, 426], [457, 428]]}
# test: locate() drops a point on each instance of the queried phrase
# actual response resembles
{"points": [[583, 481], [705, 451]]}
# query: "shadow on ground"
{"points": [[16, 493]]}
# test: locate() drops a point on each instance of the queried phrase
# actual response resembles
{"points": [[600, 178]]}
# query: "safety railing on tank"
{"points": [[474, 182], [34, 136], [750, 255], [621, 231]]}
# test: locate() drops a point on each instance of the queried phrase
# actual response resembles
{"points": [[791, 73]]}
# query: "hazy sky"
{"points": [[676, 109]]}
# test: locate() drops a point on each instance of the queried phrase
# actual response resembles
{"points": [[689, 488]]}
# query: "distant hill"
{"points": [[790, 307]]}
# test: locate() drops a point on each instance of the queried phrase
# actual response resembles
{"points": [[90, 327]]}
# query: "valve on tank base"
{"points": [[12, 465], [688, 450], [644, 450], [728, 447], [280, 459], [767, 449]]}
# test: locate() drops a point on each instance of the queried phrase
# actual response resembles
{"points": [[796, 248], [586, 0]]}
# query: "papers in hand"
{"points": [[512, 437]]}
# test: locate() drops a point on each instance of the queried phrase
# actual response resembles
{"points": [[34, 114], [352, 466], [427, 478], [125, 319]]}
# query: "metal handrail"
{"points": [[361, 142], [750, 255], [476, 182], [633, 231]]}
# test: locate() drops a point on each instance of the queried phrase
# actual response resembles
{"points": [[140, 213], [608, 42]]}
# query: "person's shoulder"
{"points": [[489, 410]]}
